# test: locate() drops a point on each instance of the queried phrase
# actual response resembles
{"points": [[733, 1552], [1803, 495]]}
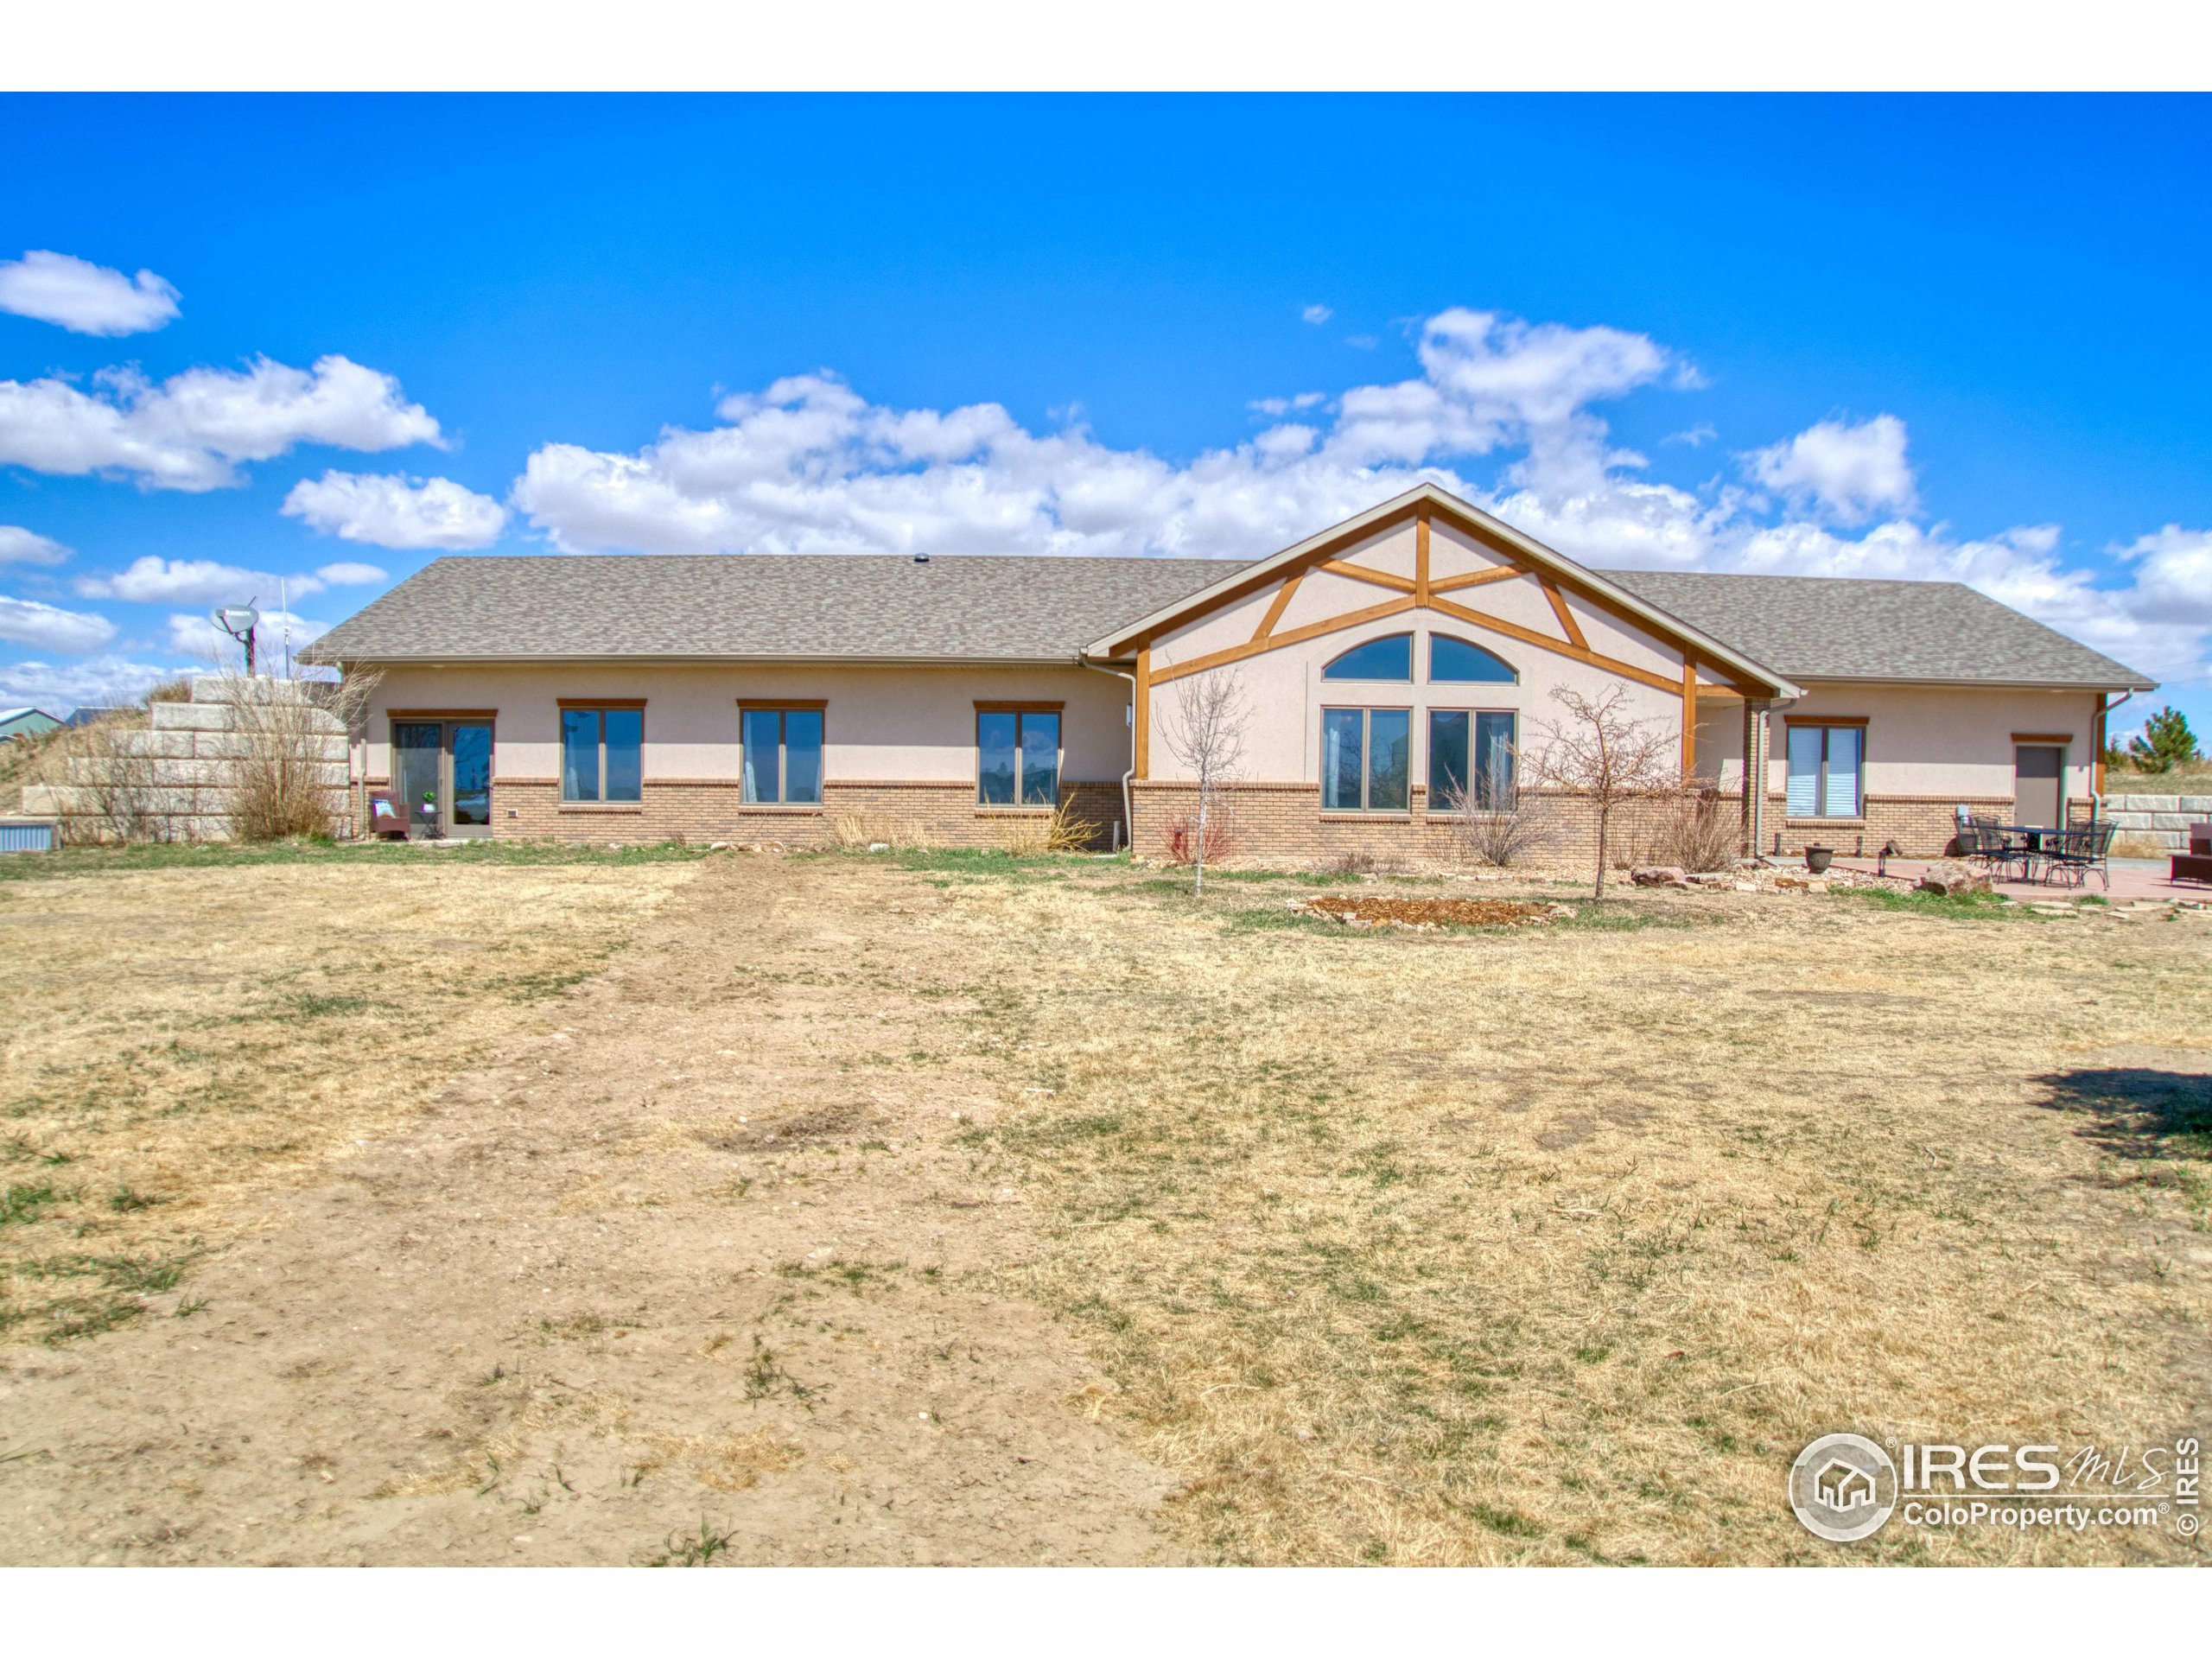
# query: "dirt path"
{"points": [[706, 1257]]}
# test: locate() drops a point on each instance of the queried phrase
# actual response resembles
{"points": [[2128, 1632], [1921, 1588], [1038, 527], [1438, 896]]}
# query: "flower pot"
{"points": [[1816, 858]]}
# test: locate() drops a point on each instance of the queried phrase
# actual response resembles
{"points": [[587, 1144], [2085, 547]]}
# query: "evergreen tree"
{"points": [[2164, 743]]}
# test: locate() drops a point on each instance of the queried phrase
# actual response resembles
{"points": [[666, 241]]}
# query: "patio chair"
{"points": [[2195, 864], [1984, 840], [2076, 852]]}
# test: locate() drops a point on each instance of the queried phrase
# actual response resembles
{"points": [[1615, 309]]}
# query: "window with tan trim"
{"points": [[602, 751], [782, 747], [1017, 754], [1826, 766], [1366, 759]]}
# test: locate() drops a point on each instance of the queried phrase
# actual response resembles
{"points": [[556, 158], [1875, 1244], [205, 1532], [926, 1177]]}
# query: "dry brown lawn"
{"points": [[181, 1040], [1550, 1243], [1557, 1245]]}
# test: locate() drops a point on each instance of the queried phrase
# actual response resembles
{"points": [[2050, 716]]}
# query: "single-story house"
{"points": [[641, 697], [25, 722]]}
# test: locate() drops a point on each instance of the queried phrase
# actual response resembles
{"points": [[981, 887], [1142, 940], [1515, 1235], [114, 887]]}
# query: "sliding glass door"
{"points": [[442, 776]]}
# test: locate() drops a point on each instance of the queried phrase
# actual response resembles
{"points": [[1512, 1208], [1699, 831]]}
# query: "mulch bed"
{"points": [[1432, 912]]}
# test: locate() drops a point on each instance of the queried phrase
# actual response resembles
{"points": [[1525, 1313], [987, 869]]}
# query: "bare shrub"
{"points": [[283, 780], [1596, 750], [1505, 829], [1206, 731], [1700, 831], [1360, 863], [1061, 831], [1188, 844], [171, 691]]}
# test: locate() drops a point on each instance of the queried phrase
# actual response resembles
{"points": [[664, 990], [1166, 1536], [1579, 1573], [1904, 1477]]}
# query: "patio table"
{"points": [[2030, 837]]}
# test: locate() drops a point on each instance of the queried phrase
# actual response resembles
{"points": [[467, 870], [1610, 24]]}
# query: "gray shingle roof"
{"points": [[1845, 628], [1029, 609], [986, 608]]}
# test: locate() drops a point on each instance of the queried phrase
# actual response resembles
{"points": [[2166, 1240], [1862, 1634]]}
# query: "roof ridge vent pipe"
{"points": [[921, 558]]}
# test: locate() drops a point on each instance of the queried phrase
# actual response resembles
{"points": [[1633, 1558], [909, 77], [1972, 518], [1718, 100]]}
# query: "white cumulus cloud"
{"points": [[389, 510], [48, 627], [809, 465], [20, 546], [348, 573], [101, 683], [1852, 471], [190, 431], [1281, 406], [2174, 573], [1316, 315], [153, 580], [196, 636], [83, 297]]}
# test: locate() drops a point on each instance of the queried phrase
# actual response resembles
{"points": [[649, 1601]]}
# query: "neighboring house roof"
{"points": [[1010, 608], [85, 714], [1848, 628], [14, 722]]}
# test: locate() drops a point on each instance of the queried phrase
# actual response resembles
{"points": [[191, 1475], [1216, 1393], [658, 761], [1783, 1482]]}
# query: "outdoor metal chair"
{"points": [[1985, 840], [2073, 853]]}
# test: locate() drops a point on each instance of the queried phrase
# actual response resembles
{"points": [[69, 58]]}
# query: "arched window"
{"points": [[1388, 659], [1461, 662]]}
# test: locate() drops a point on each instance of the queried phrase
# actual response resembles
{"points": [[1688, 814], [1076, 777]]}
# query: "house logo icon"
{"points": [[1843, 1487]]}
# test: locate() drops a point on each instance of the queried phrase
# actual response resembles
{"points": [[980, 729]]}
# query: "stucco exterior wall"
{"points": [[1942, 743], [1285, 694], [898, 742]]}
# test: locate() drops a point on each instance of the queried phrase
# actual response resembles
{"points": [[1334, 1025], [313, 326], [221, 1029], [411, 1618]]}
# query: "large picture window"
{"points": [[602, 753], [1389, 659], [1018, 757], [1471, 749], [1366, 759], [783, 755], [1826, 763]]}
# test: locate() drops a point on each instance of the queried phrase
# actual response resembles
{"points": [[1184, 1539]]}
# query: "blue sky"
{"points": [[1952, 337]]}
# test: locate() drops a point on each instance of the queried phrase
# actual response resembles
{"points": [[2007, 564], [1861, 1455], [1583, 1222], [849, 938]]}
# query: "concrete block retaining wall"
{"points": [[178, 778], [2163, 818]]}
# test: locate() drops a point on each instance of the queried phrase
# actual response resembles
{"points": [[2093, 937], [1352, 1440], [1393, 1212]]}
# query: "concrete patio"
{"points": [[2132, 879]]}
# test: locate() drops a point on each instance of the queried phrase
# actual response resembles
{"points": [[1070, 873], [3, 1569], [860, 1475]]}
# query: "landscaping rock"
{"points": [[1949, 877]]}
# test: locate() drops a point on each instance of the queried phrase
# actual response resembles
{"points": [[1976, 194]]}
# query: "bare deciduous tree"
{"points": [[1598, 751], [1205, 732]]}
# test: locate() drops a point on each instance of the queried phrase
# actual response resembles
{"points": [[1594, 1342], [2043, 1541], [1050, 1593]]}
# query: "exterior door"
{"points": [[444, 766], [417, 754], [2039, 800], [469, 764]]}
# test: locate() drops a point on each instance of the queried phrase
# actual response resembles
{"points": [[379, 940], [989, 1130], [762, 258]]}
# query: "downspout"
{"points": [[1128, 812], [2097, 761]]}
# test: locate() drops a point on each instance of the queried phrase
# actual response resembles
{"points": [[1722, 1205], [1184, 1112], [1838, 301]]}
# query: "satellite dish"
{"points": [[236, 620]]}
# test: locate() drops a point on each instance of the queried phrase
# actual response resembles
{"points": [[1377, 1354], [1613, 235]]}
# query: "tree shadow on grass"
{"points": [[2139, 1112]]}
